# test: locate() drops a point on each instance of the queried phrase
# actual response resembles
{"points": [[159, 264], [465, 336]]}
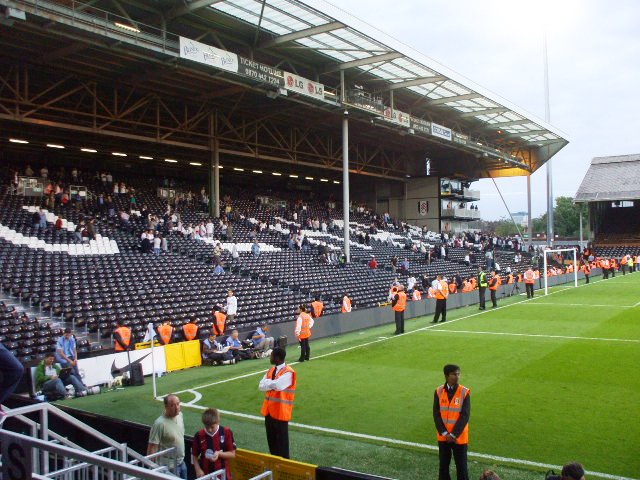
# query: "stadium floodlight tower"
{"points": [[575, 266]]}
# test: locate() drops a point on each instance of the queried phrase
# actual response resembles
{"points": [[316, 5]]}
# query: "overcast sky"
{"points": [[594, 72]]}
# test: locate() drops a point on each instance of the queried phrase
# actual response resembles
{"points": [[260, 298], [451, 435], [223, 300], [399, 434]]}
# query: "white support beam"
{"points": [[417, 81], [511, 123], [307, 32], [486, 111], [385, 57], [526, 132], [455, 98], [184, 9]]}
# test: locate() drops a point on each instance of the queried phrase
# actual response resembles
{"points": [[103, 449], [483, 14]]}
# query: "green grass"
{"points": [[544, 398]]}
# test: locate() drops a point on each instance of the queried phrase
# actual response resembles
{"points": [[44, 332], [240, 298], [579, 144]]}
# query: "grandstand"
{"points": [[299, 128]]}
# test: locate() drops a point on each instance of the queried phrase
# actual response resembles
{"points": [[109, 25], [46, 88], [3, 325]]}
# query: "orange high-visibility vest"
{"points": [[510, 278], [450, 412], [417, 295], [165, 332], [623, 260], [278, 404], [444, 292], [536, 274], [467, 286], [520, 278], [317, 307], [453, 287], [190, 331], [401, 304], [305, 328], [346, 304], [220, 319], [474, 283], [125, 336], [529, 276]]}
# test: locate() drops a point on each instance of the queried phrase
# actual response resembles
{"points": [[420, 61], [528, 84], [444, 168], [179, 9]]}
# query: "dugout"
{"points": [[304, 93]]}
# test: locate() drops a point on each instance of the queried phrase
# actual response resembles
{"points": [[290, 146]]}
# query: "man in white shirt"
{"points": [[232, 306], [279, 385]]}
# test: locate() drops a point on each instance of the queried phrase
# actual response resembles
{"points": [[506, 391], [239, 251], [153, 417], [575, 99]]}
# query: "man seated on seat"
{"points": [[236, 348], [51, 380], [261, 343], [215, 352], [66, 351]]}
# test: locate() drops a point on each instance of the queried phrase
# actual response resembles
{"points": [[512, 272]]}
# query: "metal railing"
{"points": [[51, 455]]}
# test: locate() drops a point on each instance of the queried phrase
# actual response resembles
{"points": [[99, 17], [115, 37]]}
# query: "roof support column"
{"points": [[529, 219], [345, 182], [345, 170], [214, 169]]}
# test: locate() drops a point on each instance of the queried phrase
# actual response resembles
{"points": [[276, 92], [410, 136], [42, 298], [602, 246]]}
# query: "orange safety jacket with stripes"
{"points": [[278, 404], [450, 412]]}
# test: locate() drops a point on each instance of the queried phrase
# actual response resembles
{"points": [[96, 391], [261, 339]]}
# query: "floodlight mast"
{"points": [[547, 118]]}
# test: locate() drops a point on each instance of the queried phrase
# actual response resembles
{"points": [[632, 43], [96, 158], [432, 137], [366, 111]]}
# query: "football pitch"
{"points": [[553, 379]]}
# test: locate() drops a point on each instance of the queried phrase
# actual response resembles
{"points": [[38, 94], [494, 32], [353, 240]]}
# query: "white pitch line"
{"points": [[584, 305], [425, 446], [540, 336], [197, 397], [560, 288]]}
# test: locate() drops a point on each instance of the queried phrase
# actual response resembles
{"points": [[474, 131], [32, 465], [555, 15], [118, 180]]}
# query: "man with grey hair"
{"points": [[168, 431]]}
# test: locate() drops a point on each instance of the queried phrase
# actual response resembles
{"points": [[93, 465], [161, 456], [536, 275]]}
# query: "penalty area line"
{"points": [[564, 337], [394, 442]]}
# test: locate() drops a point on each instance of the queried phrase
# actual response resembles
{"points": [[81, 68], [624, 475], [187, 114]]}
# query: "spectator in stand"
{"points": [[28, 171], [373, 265], [51, 380], [67, 352], [218, 270], [231, 307], [213, 446], [255, 249], [43, 219], [404, 266]]}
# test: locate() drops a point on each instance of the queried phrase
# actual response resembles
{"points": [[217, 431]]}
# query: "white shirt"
{"points": [[411, 282], [232, 305], [281, 383], [436, 285], [156, 242], [299, 325]]}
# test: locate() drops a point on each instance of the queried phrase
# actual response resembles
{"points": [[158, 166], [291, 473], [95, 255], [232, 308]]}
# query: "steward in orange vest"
{"points": [[586, 268], [494, 283], [190, 331], [467, 286], [304, 323], [417, 295], [529, 280], [453, 287], [604, 263], [510, 278], [165, 332], [317, 308], [441, 290], [219, 319], [346, 304], [399, 304], [451, 413], [122, 336], [279, 385]]}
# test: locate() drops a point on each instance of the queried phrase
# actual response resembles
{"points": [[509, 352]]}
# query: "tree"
{"points": [[566, 218]]}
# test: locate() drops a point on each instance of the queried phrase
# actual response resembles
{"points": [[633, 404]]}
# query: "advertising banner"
{"points": [[460, 138], [420, 126], [397, 117], [303, 86], [201, 53], [260, 72], [103, 369], [441, 132]]}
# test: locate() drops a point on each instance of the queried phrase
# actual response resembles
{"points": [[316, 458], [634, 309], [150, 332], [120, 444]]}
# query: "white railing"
{"points": [[50, 455], [471, 194], [461, 213]]}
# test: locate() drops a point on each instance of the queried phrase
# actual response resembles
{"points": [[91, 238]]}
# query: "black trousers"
{"points": [[481, 291], [441, 308], [399, 322], [494, 300], [459, 456], [305, 350], [605, 273], [586, 277], [277, 436], [529, 288]]}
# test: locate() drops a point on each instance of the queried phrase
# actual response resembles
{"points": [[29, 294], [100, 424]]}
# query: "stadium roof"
{"points": [[350, 43], [403, 105], [611, 179]]}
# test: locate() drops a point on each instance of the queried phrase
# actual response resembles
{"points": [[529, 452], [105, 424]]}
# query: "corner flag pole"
{"points": [[151, 335]]}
